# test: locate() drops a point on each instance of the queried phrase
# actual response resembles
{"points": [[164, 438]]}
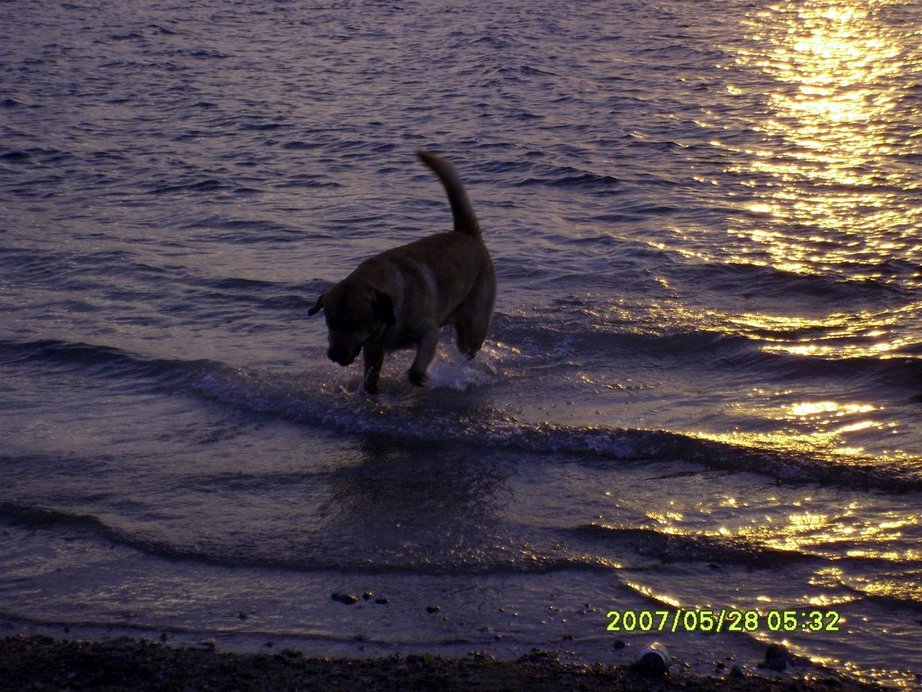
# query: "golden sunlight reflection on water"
{"points": [[830, 187], [835, 193], [824, 433], [808, 525]]}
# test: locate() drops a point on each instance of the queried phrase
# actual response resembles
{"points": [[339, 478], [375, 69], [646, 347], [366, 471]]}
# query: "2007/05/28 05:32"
{"points": [[722, 620]]}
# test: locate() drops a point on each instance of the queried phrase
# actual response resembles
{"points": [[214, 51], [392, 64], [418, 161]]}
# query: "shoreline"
{"points": [[41, 662]]}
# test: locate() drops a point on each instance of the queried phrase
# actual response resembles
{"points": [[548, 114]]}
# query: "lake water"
{"points": [[701, 389]]}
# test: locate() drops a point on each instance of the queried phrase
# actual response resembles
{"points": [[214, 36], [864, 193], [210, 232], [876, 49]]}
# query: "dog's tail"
{"points": [[461, 210]]}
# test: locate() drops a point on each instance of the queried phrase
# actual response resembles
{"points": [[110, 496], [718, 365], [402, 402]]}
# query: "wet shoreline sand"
{"points": [[40, 662]]}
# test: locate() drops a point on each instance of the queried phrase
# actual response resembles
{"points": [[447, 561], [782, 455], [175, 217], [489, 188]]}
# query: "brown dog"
{"points": [[402, 297]]}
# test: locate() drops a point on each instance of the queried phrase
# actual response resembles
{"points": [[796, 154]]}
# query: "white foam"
{"points": [[459, 373], [452, 370]]}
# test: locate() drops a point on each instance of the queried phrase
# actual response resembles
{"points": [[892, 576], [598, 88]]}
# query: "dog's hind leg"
{"points": [[472, 317], [466, 342], [374, 359], [425, 352]]}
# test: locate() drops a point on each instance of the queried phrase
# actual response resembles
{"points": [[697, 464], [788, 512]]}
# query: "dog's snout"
{"points": [[340, 354]]}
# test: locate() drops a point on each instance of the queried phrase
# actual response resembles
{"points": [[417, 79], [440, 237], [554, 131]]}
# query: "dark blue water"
{"points": [[702, 384]]}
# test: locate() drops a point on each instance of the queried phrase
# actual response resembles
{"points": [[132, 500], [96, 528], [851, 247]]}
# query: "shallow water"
{"points": [[700, 390]]}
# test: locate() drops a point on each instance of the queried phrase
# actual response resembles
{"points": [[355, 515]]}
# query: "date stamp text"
{"points": [[723, 620]]}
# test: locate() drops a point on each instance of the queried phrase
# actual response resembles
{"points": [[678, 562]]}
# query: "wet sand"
{"points": [[126, 664]]}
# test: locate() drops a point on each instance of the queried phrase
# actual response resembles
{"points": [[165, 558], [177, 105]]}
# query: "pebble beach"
{"points": [[40, 662]]}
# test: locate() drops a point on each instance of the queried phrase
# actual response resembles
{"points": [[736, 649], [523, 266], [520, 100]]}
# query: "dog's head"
{"points": [[354, 316]]}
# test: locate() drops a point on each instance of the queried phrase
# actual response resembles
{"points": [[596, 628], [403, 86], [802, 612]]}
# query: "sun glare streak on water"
{"points": [[841, 192], [828, 188]]}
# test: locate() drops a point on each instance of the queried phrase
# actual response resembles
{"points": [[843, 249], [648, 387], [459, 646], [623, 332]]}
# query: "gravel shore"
{"points": [[127, 664]]}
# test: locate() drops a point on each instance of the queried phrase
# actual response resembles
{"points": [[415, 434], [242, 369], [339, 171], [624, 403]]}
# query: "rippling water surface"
{"points": [[702, 385]]}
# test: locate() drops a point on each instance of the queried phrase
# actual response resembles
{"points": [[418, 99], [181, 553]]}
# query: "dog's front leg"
{"points": [[374, 358], [425, 352]]}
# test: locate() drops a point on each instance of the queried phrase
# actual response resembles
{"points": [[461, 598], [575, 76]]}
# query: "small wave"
{"points": [[103, 361], [247, 231], [40, 518], [300, 145], [501, 561], [15, 156], [79, 353], [322, 401], [75, 272], [568, 177], [304, 180], [204, 53], [128, 36], [263, 126], [590, 330], [328, 405], [750, 279], [638, 210], [206, 185], [897, 372], [163, 30], [899, 588], [37, 155], [675, 547]]}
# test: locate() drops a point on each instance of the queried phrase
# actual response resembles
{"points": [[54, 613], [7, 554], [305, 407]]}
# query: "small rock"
{"points": [[347, 598], [776, 651], [432, 609], [651, 664], [737, 672], [619, 644], [367, 596], [775, 664], [653, 660], [381, 601], [568, 637], [534, 656], [776, 658], [242, 615]]}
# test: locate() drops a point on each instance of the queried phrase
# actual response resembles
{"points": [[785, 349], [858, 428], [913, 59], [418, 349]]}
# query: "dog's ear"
{"points": [[318, 306], [383, 308]]}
